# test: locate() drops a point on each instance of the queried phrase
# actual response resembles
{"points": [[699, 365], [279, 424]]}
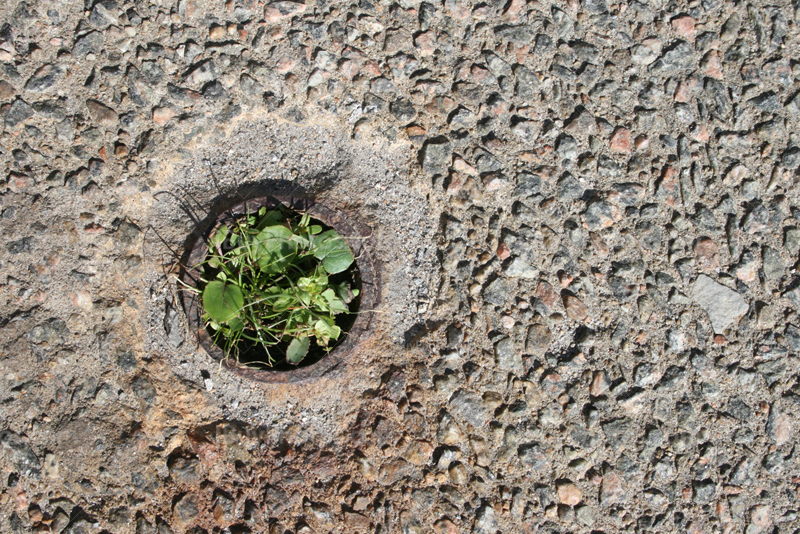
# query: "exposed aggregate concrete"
{"points": [[587, 214]]}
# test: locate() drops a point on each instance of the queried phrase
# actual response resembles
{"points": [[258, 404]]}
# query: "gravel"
{"points": [[587, 222]]}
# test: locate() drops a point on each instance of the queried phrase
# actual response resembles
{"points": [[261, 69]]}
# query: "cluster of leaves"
{"points": [[266, 281]]}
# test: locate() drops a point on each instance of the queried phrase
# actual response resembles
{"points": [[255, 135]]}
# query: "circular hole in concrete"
{"points": [[361, 275]]}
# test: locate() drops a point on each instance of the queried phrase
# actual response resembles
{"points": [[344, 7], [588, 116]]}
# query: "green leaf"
{"points": [[305, 283], [325, 332], [283, 303], [335, 304], [269, 218], [315, 282], [329, 294], [218, 237], [345, 293], [297, 349], [302, 316], [335, 331], [273, 249], [236, 324], [222, 300], [332, 249], [272, 281], [302, 242], [321, 276]]}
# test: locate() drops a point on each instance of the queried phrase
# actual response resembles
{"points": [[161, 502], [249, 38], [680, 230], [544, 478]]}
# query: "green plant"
{"points": [[268, 282]]}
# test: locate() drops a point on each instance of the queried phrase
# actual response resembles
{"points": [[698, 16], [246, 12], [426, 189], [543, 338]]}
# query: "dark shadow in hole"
{"points": [[225, 199]]}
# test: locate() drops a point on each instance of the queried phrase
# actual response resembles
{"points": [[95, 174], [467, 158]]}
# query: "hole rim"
{"points": [[359, 237]]}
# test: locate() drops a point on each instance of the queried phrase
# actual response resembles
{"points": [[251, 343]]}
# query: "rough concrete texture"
{"points": [[587, 218]]}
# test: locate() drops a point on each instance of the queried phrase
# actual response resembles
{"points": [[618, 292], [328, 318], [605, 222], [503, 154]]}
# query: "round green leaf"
{"points": [[274, 249], [334, 252], [338, 261], [297, 349], [222, 300]]}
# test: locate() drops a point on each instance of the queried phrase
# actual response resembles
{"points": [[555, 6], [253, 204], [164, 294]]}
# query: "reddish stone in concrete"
{"points": [[546, 293], [445, 526], [685, 90], [682, 93], [712, 64], [684, 26], [162, 115], [668, 187], [425, 43], [503, 251], [611, 490], [357, 522], [707, 254], [599, 384], [779, 426], [620, 141], [18, 181], [103, 114], [216, 32], [700, 133], [760, 520], [285, 64], [569, 494], [479, 74], [6, 90], [576, 309], [419, 452], [515, 11]]}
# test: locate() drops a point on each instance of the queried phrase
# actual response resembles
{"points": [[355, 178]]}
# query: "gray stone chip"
{"points": [[468, 405], [435, 156], [44, 78], [519, 268], [91, 43], [19, 454], [18, 112], [724, 306], [508, 358]]}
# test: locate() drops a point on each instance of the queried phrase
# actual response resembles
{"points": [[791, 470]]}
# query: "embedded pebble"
{"points": [[723, 305]]}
